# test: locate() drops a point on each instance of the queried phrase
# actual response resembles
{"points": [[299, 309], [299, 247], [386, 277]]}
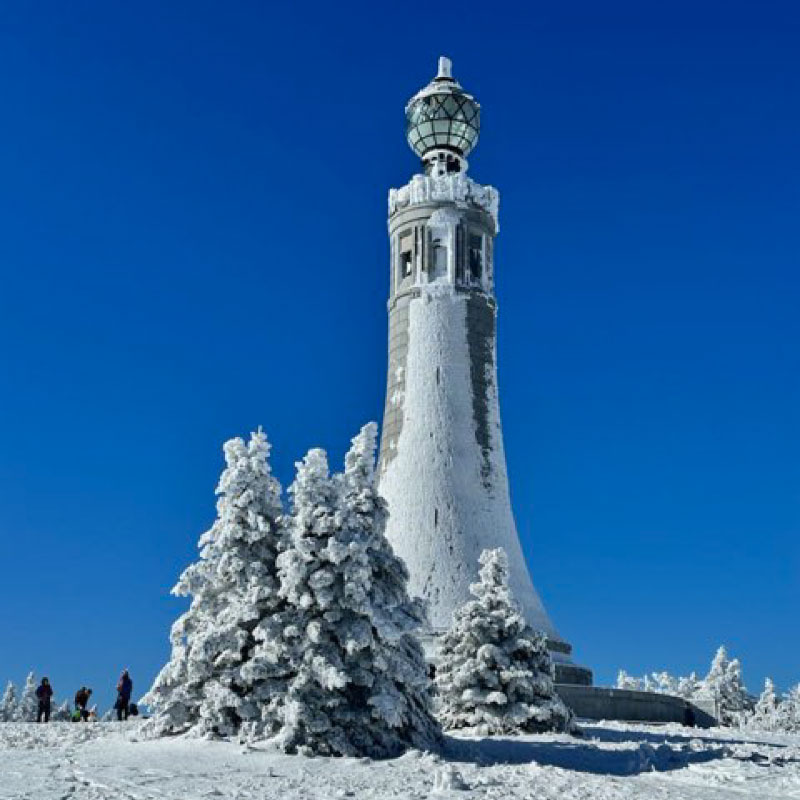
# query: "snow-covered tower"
{"points": [[442, 465]]}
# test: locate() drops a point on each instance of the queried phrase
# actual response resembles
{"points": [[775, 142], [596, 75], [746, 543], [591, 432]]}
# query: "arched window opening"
{"points": [[476, 257]]}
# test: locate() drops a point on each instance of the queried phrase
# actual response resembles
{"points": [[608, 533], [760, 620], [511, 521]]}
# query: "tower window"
{"points": [[460, 254], [476, 256], [438, 258], [406, 254]]}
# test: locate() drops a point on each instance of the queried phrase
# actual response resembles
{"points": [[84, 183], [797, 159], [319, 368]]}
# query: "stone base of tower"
{"points": [[566, 672]]}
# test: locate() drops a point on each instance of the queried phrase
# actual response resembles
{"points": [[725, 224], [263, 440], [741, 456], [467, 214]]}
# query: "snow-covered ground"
{"points": [[64, 761]]}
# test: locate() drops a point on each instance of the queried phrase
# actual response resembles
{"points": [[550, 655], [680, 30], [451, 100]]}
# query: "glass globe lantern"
{"points": [[443, 123]]}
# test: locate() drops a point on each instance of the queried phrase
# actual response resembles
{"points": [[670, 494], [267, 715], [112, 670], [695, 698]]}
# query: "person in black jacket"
{"points": [[44, 693], [81, 701]]}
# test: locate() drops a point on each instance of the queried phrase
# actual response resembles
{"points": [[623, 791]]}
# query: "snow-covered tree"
{"points": [[625, 681], [724, 685], [765, 715], [28, 705], [494, 672], [665, 683], [62, 712], [789, 711], [359, 682], [233, 586], [8, 706], [661, 683], [688, 687]]}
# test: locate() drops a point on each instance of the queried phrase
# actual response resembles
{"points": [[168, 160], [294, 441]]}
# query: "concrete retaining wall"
{"points": [[596, 702]]}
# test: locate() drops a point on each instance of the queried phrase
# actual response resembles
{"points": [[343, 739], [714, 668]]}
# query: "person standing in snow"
{"points": [[44, 693], [124, 692], [81, 701]]}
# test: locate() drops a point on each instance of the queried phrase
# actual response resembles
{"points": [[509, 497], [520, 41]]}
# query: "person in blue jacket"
{"points": [[124, 692]]}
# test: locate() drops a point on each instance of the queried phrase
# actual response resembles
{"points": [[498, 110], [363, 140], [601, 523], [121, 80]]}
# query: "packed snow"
{"points": [[96, 761]]}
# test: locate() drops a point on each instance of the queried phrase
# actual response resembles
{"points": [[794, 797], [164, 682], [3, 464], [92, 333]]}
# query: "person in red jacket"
{"points": [[44, 693]]}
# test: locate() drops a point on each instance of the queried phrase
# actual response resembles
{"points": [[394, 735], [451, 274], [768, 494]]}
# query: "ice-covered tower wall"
{"points": [[442, 464]]}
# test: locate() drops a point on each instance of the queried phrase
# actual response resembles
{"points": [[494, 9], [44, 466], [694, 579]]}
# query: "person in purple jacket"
{"points": [[124, 692]]}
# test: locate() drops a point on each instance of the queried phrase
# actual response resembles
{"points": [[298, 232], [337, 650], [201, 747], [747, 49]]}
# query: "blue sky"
{"points": [[193, 243]]}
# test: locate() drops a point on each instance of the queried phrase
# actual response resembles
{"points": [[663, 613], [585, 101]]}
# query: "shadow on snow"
{"points": [[648, 752]]}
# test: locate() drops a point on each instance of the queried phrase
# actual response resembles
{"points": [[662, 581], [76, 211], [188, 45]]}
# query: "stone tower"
{"points": [[442, 465]]}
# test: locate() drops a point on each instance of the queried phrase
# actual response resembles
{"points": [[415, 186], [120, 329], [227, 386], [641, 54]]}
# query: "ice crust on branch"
{"points": [[495, 673], [204, 686], [359, 682]]}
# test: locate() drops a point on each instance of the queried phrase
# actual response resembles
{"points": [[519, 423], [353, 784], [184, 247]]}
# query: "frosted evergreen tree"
{"points": [[494, 672], [765, 715], [724, 685], [63, 712], [689, 687], [661, 683], [233, 586], [28, 705], [665, 683], [625, 681], [789, 711], [359, 685], [8, 706]]}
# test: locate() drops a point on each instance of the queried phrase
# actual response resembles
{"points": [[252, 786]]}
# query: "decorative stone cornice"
{"points": [[456, 188]]}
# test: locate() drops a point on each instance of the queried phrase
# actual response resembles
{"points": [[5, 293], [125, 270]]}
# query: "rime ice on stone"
{"points": [[442, 465], [494, 672]]}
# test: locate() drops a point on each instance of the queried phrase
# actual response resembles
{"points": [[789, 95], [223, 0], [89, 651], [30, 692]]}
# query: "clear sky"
{"points": [[193, 243]]}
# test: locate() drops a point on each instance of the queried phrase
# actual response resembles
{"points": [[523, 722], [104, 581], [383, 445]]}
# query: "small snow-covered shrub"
{"points": [[629, 682], [494, 672], [765, 715], [62, 712]]}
